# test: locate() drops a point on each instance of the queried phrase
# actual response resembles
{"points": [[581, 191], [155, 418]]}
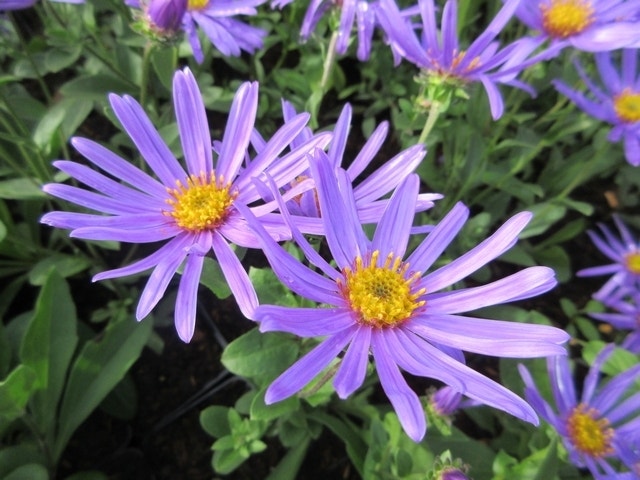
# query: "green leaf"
{"points": [[269, 288], [48, 345], [59, 58], [289, 465], [226, 461], [21, 189], [262, 411], [88, 475], [94, 87], [5, 351], [65, 265], [15, 392], [544, 215], [31, 471], [99, 367], [213, 420], [260, 356], [164, 63], [213, 279], [3, 231], [24, 453]]}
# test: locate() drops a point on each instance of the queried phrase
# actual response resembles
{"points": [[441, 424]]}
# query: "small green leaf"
{"points": [[260, 356], [262, 411], [15, 392], [213, 279], [65, 265], [21, 189], [226, 461], [24, 453], [31, 471], [213, 420]]}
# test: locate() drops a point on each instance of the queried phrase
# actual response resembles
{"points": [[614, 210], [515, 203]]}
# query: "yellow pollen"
{"points": [[197, 4], [633, 262], [588, 433], [627, 106], [202, 204], [381, 296], [563, 18]]}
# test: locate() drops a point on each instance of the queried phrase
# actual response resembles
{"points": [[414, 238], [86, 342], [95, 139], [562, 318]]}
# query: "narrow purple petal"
{"points": [[523, 284], [502, 240], [238, 130], [303, 322], [404, 400], [490, 337], [353, 367], [147, 140], [235, 275], [368, 151], [187, 299], [157, 284], [192, 123], [142, 234], [340, 135], [439, 238], [304, 370]]}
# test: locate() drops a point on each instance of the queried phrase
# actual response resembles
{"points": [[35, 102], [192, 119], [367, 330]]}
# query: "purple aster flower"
{"points": [[215, 18], [626, 316], [370, 191], [7, 5], [359, 12], [619, 102], [167, 15], [624, 251], [589, 25], [194, 209], [595, 426], [442, 56], [379, 302]]}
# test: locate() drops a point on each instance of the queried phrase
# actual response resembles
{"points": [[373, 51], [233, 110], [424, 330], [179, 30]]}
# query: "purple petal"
{"points": [[303, 322], [187, 299], [353, 367], [404, 400], [304, 370], [192, 123], [157, 284]]}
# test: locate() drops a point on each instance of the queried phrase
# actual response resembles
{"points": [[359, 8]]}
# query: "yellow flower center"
{"points": [[633, 262], [197, 4], [588, 433], [381, 296], [202, 204], [563, 18], [627, 106]]}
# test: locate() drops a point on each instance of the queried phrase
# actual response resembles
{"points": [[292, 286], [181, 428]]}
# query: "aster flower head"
{"points": [[624, 251], [361, 13], [588, 25], [617, 103], [216, 18], [192, 209], [446, 401], [625, 316], [383, 301], [369, 192], [444, 60], [596, 425], [166, 15]]}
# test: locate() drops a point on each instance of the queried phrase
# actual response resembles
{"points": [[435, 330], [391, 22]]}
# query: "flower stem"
{"points": [[146, 65], [329, 62], [434, 112]]}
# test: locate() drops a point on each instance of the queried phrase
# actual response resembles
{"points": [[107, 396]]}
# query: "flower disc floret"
{"points": [[632, 261], [202, 204], [197, 4], [627, 106], [564, 18], [588, 433], [381, 296]]}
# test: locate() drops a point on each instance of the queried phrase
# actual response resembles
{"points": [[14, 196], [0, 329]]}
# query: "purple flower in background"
{"points": [[379, 302], [589, 25], [626, 316], [624, 251], [7, 5], [193, 209], [227, 34], [441, 55], [446, 401], [167, 15], [359, 12], [595, 426], [369, 193], [215, 19], [619, 102]]}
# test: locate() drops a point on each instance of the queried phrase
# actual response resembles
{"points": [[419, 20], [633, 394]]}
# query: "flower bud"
{"points": [[166, 15]]}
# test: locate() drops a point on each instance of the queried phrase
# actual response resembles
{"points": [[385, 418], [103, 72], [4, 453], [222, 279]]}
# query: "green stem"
{"points": [[434, 113], [146, 65], [324, 379], [329, 62]]}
